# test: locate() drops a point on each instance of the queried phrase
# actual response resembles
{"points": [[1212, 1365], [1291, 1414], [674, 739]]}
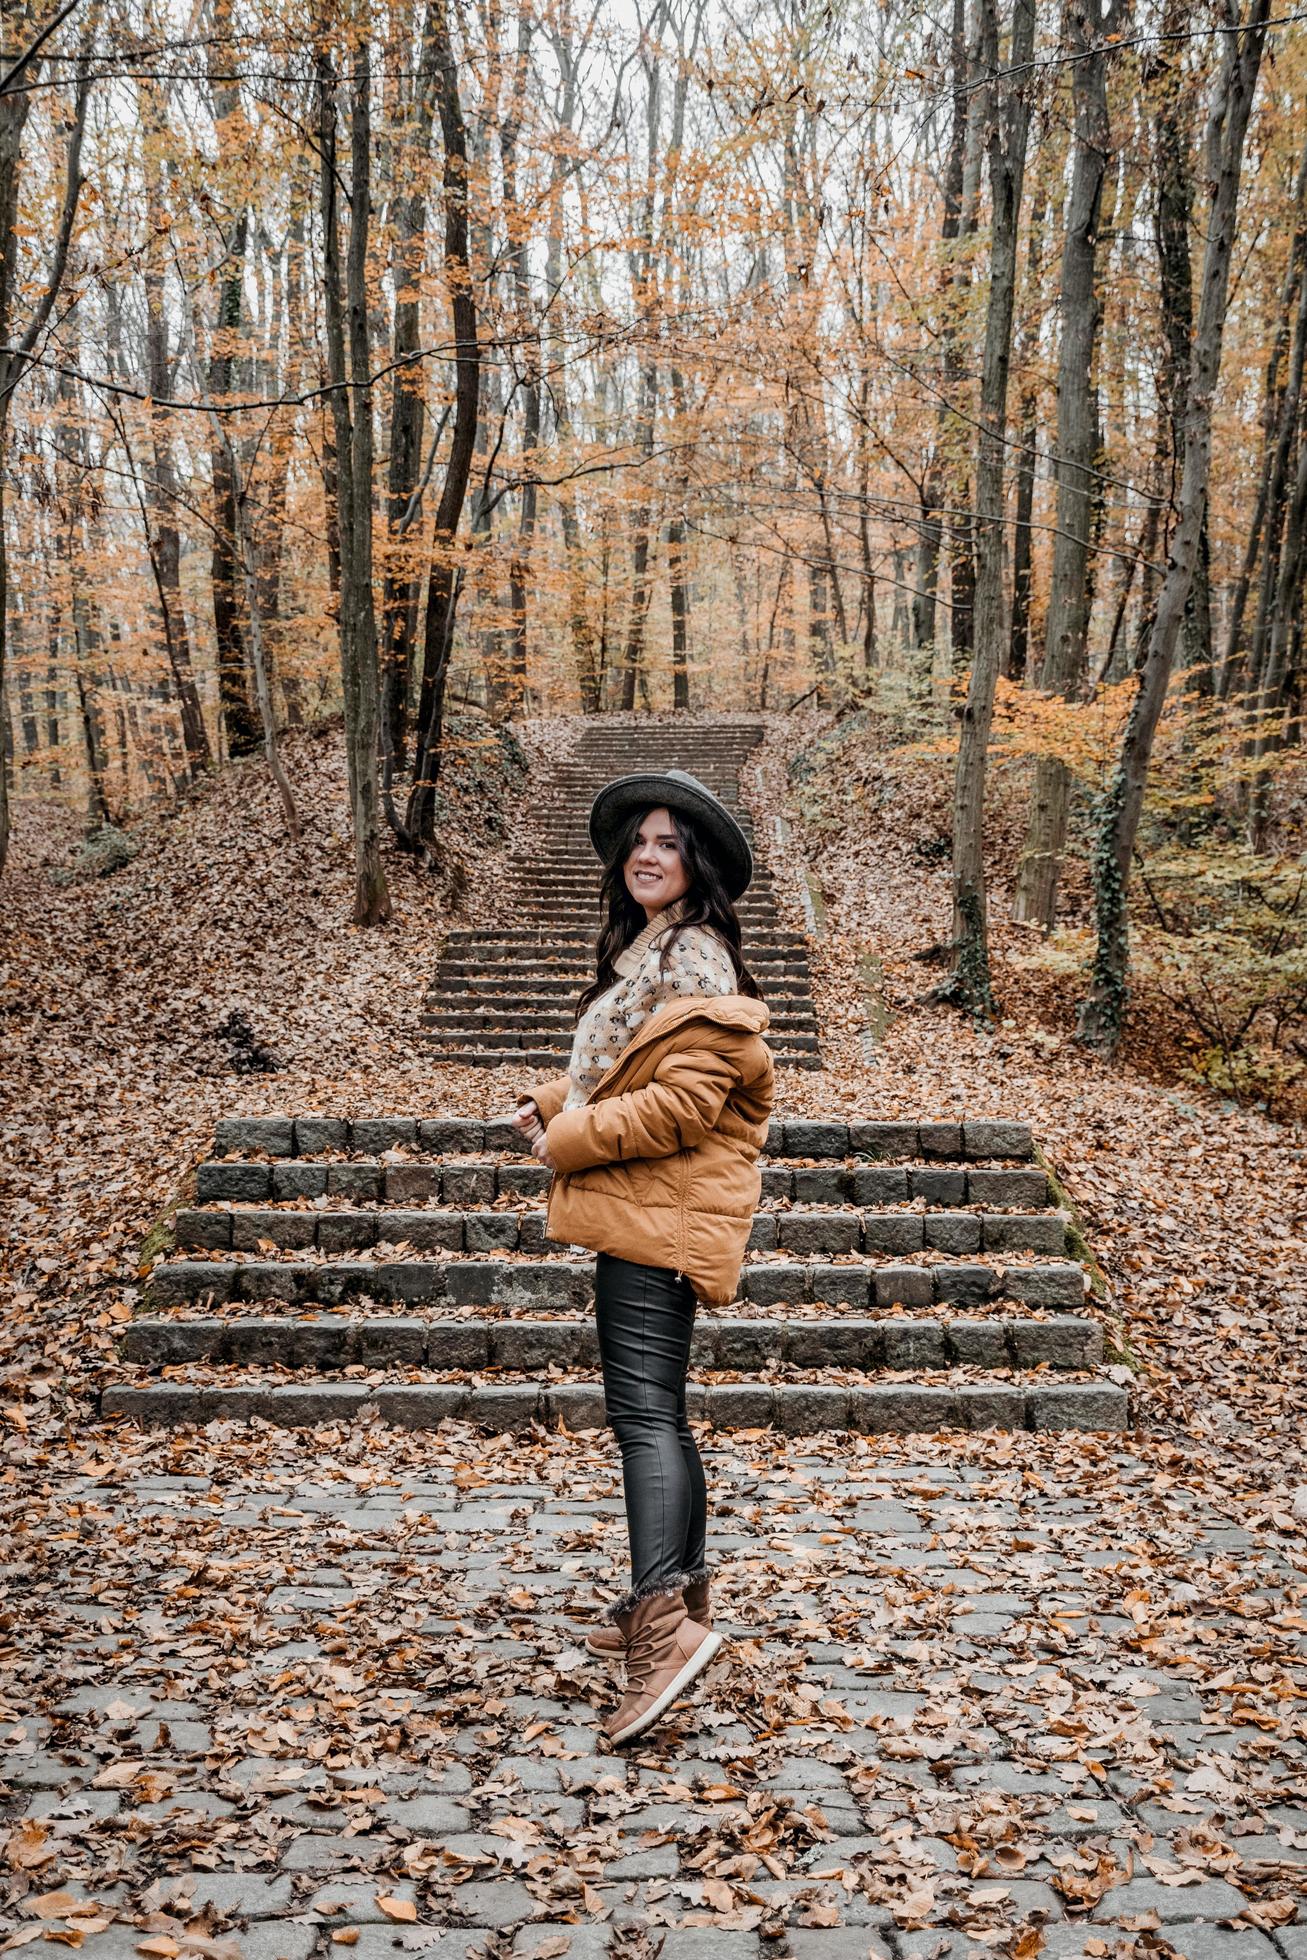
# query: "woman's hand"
{"points": [[540, 1149], [526, 1119]]}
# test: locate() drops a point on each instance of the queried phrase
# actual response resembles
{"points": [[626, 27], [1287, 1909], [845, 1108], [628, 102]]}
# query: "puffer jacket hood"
{"points": [[660, 1164]]}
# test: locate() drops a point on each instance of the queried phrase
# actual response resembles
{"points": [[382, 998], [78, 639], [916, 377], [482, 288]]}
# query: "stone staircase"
{"points": [[900, 1277], [507, 993]]}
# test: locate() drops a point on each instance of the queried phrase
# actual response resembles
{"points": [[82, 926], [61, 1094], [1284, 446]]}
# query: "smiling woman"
{"points": [[654, 1134]]}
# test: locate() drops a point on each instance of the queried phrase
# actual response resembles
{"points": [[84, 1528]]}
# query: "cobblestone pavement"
{"points": [[1032, 1703]]}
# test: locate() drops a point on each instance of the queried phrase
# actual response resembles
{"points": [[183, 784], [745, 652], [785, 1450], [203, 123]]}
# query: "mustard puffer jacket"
{"points": [[660, 1164]]}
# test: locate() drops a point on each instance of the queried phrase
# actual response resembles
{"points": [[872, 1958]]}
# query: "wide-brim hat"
{"points": [[674, 789]]}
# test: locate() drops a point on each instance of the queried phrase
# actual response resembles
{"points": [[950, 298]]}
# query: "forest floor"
{"points": [[988, 1693]]}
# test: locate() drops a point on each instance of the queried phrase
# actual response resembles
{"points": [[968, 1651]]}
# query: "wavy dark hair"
{"points": [[706, 903]]}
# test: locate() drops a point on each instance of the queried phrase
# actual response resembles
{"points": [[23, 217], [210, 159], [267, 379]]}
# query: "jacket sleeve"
{"points": [[674, 1112], [550, 1096]]}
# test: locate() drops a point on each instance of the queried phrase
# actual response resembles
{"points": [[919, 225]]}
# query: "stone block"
{"points": [[360, 1183], [588, 1942], [895, 1411], [818, 1232], [163, 1343], [1007, 1187], [774, 1284], [339, 1279], [527, 1344], [292, 1405], [290, 1343], [968, 1285], [452, 1136], [299, 1180], [953, 1231], [580, 1405], [421, 1407], [762, 1233], [876, 1184], [426, 1231], [468, 1184], [843, 1343], [914, 1344], [501, 1135], [522, 1180], [1012, 1232], [385, 1342], [344, 1231], [989, 1138], [903, 1286], [473, 1285], [407, 1279], [827, 1184], [269, 1279], [807, 1138], [512, 1405], [893, 1231], [1045, 1286], [1065, 1342], [803, 1408], [531, 1232], [892, 1142], [457, 1344], [746, 1344], [843, 1286], [984, 1405], [295, 1230], [940, 1139], [317, 1133], [977, 1343], [241, 1183], [835, 1942], [777, 1181], [739, 1405], [1078, 1405], [210, 1231], [775, 1144], [1212, 1898], [491, 1231], [370, 1135], [174, 1282], [936, 1186], [412, 1184], [273, 1136]]}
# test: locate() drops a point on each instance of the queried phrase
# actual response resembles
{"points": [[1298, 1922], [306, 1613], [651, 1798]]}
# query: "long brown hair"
{"points": [[706, 903]]}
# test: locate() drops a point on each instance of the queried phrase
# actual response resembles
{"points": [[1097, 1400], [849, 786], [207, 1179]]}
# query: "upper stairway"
{"points": [[507, 993]]}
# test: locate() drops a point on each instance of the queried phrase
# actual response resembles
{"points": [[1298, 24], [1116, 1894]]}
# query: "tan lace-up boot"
{"points": [[665, 1650], [608, 1643]]}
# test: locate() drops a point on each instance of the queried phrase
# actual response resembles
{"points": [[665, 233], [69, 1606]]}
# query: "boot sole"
{"points": [[695, 1665]]}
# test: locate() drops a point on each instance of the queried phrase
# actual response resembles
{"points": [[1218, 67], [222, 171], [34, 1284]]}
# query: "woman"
{"points": [[653, 1135]]}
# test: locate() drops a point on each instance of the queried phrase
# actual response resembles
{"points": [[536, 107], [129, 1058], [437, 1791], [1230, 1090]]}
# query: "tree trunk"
{"points": [[1102, 1014], [1067, 631], [238, 716], [442, 585], [1008, 114], [1022, 556], [352, 418]]}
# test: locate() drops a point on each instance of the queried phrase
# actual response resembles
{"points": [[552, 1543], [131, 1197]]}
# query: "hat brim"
{"points": [[621, 799]]}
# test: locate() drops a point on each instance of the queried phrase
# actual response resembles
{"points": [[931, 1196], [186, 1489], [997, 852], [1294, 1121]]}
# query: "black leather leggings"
{"points": [[645, 1317]]}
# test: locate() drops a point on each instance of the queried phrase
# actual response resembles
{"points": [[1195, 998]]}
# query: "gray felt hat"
{"points": [[675, 790]]}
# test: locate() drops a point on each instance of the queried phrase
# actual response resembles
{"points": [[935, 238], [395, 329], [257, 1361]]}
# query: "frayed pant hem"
{"points": [[652, 1589]]}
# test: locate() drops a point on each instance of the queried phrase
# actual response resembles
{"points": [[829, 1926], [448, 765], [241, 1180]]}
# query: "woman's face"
{"points": [[655, 873]]}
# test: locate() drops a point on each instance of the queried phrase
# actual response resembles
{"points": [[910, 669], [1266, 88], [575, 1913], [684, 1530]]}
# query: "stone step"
{"points": [[555, 1060], [860, 1281], [793, 1408], [330, 1341], [560, 1020], [513, 1040], [471, 1180], [783, 971], [542, 943], [803, 1232], [971, 1139]]}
